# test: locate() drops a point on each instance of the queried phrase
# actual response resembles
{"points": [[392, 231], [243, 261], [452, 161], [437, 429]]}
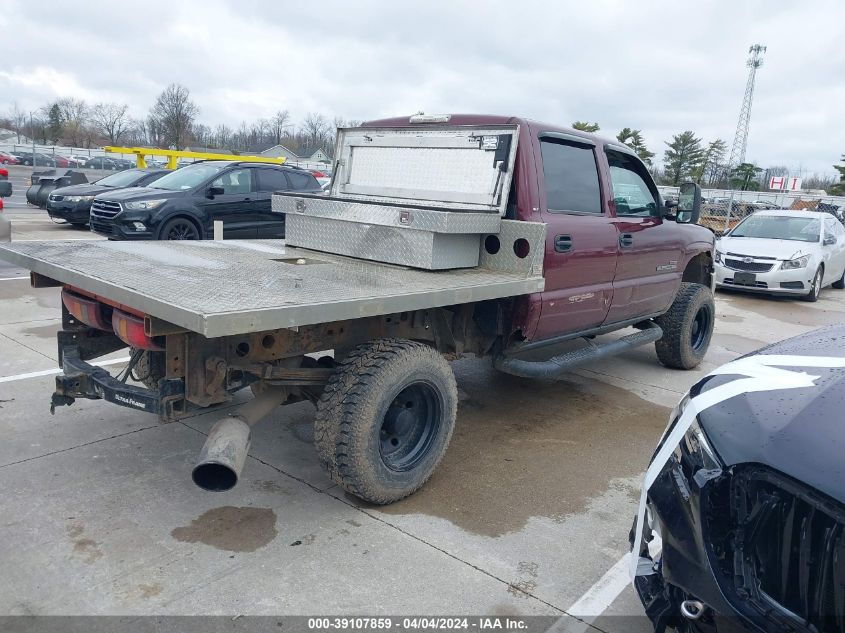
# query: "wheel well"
{"points": [[699, 270], [181, 217]]}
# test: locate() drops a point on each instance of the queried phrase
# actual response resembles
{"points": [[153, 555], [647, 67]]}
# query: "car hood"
{"points": [[762, 247], [88, 189], [141, 193], [798, 431]]}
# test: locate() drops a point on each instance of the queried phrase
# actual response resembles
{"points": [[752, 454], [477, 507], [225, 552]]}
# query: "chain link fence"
{"points": [[723, 209]]}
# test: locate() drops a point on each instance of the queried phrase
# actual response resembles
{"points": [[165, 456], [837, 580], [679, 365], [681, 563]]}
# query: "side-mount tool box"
{"points": [[420, 197]]}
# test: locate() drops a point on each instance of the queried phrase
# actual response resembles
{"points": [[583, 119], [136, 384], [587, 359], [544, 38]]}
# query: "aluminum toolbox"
{"points": [[420, 197]]}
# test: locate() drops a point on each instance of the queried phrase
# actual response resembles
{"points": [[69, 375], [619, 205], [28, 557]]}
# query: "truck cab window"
{"points": [[631, 191], [571, 177]]}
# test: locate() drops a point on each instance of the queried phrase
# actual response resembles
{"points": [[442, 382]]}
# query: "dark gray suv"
{"points": [[184, 204]]}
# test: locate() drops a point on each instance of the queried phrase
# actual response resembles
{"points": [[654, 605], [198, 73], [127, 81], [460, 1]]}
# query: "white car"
{"points": [[783, 252]]}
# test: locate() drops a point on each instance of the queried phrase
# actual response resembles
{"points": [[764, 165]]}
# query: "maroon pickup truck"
{"points": [[440, 236]]}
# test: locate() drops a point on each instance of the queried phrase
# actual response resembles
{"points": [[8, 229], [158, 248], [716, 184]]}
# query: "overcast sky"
{"points": [[660, 66]]}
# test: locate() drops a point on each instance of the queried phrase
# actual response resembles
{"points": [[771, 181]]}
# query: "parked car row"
{"points": [[150, 204], [40, 159]]}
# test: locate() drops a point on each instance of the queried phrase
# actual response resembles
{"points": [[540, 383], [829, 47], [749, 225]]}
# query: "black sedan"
{"points": [[73, 204], [742, 527]]}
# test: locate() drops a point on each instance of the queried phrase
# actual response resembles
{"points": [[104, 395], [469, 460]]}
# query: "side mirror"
{"points": [[689, 203], [215, 191], [829, 240]]}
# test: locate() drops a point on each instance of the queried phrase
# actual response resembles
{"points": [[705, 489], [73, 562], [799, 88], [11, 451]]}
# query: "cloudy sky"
{"points": [[660, 66]]}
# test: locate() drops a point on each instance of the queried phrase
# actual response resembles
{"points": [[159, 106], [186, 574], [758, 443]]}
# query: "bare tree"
{"points": [[111, 120], [278, 124], [74, 117], [172, 116], [223, 136], [18, 119], [314, 129]]}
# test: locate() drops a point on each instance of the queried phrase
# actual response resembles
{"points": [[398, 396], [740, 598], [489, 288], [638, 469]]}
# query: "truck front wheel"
{"points": [[385, 419], [687, 327]]}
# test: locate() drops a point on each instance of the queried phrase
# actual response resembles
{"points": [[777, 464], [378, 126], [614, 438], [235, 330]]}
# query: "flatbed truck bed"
{"points": [[237, 287]]}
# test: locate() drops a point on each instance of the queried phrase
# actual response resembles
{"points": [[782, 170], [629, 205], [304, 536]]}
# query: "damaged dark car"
{"points": [[742, 526]]}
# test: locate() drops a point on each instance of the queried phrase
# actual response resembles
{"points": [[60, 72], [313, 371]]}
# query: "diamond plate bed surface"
{"points": [[234, 287]]}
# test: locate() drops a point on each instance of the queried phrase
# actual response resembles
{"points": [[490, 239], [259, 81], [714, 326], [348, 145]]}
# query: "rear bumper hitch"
{"points": [[83, 380]]}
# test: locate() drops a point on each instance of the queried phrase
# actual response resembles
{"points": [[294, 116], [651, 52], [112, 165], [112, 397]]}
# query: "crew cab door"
{"points": [[236, 206], [650, 265], [581, 239]]}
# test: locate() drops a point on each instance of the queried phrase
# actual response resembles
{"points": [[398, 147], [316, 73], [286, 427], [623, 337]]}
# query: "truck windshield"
{"points": [[779, 227], [187, 177], [121, 179]]}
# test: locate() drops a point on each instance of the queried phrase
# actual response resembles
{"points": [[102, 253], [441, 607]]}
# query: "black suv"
{"points": [[184, 204], [73, 203]]}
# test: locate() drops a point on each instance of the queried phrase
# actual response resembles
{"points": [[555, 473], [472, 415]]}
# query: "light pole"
{"points": [[32, 131]]}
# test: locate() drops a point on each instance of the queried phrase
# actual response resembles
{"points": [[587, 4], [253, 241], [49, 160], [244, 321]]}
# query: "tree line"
{"points": [[689, 158], [172, 122]]}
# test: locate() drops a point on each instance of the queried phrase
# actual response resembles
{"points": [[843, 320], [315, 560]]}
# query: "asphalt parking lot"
{"points": [[528, 514]]}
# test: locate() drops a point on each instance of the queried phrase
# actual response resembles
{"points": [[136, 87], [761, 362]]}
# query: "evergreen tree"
{"points": [[683, 156]]}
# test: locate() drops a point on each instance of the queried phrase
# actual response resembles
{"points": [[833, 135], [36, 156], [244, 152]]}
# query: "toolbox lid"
{"points": [[458, 168]]}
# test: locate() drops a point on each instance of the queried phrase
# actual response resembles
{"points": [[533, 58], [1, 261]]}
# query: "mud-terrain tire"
{"points": [[385, 419], [687, 327], [816, 287], [149, 369]]}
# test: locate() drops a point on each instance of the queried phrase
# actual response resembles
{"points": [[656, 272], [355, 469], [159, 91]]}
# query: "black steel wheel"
{"points": [[180, 229], [687, 327], [385, 419], [409, 426]]}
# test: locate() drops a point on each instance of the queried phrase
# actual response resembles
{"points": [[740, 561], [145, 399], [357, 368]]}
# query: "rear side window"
{"points": [[572, 178], [272, 180], [298, 180]]}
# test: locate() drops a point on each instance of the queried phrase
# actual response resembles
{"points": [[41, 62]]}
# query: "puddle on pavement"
{"points": [[736, 343], [524, 448], [232, 529], [44, 331], [786, 309]]}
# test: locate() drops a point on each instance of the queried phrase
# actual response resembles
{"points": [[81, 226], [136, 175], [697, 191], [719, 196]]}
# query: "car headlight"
{"points": [[697, 447], [144, 205], [798, 262], [78, 198], [717, 256]]}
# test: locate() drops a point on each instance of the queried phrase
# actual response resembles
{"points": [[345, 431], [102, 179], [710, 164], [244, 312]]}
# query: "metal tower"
{"points": [[755, 60]]}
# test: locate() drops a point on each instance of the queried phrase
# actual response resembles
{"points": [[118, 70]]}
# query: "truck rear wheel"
{"points": [[687, 327], [385, 419]]}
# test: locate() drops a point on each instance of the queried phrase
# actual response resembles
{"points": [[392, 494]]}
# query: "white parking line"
{"points": [[13, 278], [596, 599], [49, 372]]}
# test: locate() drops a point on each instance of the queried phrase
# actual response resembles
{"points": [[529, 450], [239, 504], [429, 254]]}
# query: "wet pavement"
{"points": [[530, 508]]}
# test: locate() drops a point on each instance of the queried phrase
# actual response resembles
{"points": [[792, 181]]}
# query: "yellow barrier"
{"points": [[173, 155]]}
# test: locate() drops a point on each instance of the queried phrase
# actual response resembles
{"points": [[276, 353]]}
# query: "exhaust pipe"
{"points": [[224, 453]]}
